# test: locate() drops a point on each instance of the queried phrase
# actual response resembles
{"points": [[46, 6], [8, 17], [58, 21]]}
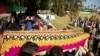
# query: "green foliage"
{"points": [[45, 4], [74, 7], [59, 7], [38, 3]]}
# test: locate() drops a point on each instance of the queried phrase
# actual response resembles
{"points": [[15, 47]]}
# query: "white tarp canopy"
{"points": [[47, 16]]}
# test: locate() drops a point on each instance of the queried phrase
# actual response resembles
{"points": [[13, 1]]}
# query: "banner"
{"points": [[45, 40]]}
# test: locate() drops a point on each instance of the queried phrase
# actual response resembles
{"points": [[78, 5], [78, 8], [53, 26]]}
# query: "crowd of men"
{"points": [[92, 26], [22, 22]]}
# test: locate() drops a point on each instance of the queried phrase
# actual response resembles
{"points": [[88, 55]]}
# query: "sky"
{"points": [[94, 2]]}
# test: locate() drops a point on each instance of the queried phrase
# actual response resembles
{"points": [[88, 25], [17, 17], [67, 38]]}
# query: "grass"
{"points": [[62, 22]]}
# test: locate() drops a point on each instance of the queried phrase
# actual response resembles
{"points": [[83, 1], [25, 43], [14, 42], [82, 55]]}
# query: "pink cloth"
{"points": [[14, 50]]}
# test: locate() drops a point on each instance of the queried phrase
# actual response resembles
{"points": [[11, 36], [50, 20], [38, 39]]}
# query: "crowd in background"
{"points": [[22, 22], [88, 24], [92, 26]]}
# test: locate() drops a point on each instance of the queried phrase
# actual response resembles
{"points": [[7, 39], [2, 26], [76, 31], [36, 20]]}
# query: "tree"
{"points": [[74, 7], [3, 2], [91, 6], [94, 8], [59, 7], [55, 6], [45, 4], [32, 6]]}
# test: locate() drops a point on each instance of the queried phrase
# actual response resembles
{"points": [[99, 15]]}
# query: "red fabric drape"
{"points": [[2, 9]]}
